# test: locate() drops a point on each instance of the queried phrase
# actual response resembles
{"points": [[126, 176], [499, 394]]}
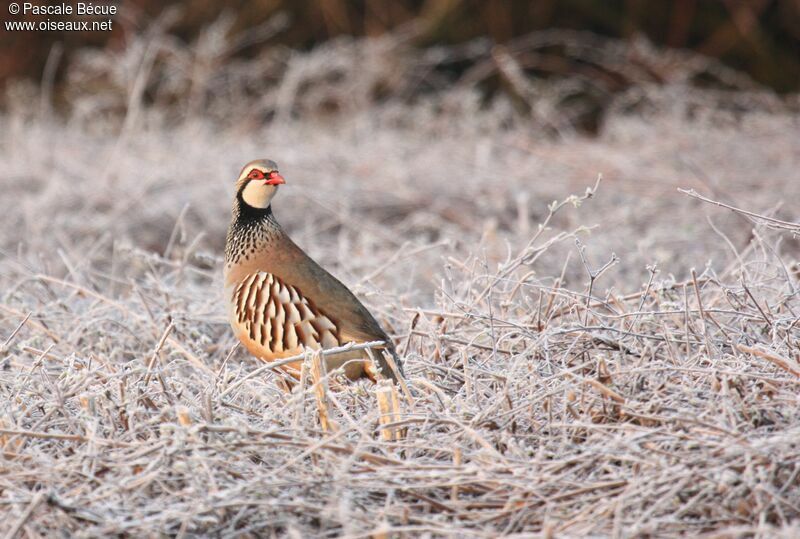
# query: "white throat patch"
{"points": [[258, 195]]}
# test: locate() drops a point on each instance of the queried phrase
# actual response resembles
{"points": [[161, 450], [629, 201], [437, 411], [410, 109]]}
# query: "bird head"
{"points": [[258, 182]]}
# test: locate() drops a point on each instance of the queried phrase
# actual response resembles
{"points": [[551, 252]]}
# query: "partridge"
{"points": [[280, 301]]}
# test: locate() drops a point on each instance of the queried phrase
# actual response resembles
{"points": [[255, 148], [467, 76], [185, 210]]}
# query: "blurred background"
{"points": [[448, 123], [759, 39]]}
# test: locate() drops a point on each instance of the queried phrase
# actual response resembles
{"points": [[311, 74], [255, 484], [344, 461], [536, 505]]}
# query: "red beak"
{"points": [[273, 178]]}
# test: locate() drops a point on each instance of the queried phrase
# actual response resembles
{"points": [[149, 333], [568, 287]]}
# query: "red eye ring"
{"points": [[255, 174]]}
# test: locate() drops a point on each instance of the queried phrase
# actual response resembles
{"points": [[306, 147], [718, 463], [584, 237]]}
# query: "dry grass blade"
{"points": [[783, 362], [319, 376], [389, 406], [756, 217]]}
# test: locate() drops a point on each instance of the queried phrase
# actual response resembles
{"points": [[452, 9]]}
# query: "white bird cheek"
{"points": [[258, 195]]}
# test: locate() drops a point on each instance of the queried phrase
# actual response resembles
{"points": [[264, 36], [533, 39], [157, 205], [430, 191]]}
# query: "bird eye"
{"points": [[256, 174]]}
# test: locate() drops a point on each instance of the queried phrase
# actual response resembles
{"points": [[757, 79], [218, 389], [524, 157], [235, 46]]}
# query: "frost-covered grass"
{"points": [[669, 406]]}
